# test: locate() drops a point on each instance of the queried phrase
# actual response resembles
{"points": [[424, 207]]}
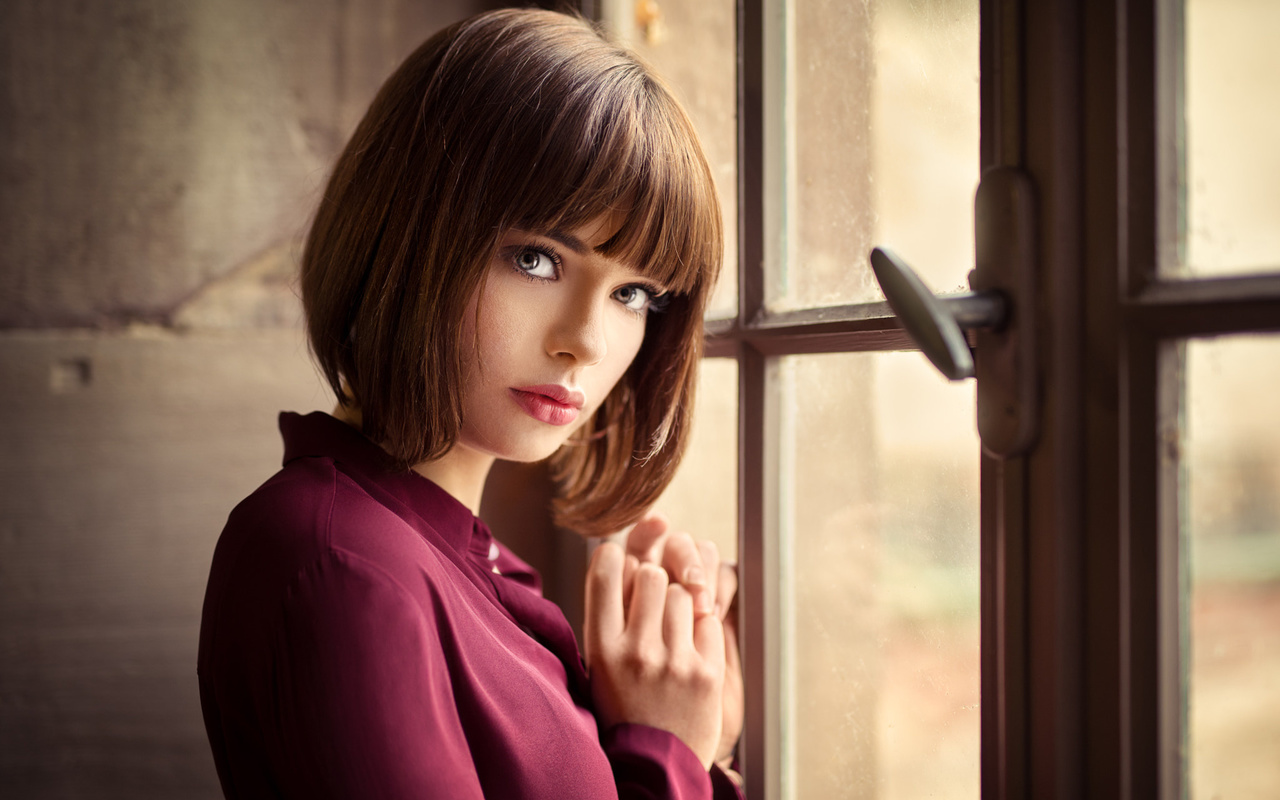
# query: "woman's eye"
{"points": [[636, 298], [536, 263]]}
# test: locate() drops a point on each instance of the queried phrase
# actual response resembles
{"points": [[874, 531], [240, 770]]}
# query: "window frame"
{"points": [[1082, 631]]}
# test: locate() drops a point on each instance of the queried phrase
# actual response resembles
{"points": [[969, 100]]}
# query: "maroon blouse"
{"points": [[364, 636]]}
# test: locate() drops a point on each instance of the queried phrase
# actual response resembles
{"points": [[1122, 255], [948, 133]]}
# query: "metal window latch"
{"points": [[1000, 310]]}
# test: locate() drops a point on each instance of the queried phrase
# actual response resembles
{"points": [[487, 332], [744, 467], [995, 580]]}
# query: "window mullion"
{"points": [[763, 571], [758, 749]]}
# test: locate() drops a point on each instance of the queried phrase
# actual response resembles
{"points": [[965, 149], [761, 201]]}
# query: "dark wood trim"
{"points": [[1105, 654], [811, 343], [1053, 116], [1005, 510], [1139, 111], [864, 327], [763, 746], [1148, 219], [1208, 306], [1001, 79], [751, 159], [1182, 308], [857, 316], [825, 320], [754, 750], [1005, 700], [1164, 753], [760, 749], [1163, 52]]}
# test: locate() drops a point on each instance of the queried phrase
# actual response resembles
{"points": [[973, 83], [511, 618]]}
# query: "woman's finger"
{"points": [[732, 699], [726, 588], [677, 619], [628, 582], [645, 539], [648, 599], [708, 640], [604, 614], [710, 555], [682, 560]]}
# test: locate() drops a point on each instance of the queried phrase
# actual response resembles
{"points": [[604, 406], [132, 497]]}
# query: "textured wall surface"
{"points": [[130, 451], [149, 146], [158, 164]]}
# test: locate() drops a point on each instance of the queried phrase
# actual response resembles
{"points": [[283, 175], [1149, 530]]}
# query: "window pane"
{"points": [[1232, 472], [691, 43], [703, 499], [884, 149], [883, 521], [1232, 126]]}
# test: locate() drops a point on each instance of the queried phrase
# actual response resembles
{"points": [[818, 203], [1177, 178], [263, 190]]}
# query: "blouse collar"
{"points": [[319, 435]]}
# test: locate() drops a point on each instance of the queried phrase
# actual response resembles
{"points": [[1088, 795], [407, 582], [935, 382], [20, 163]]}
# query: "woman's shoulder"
{"points": [[298, 503], [312, 511], [306, 542]]}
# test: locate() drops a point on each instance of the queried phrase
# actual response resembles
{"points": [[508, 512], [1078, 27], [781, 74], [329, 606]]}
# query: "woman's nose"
{"points": [[579, 332]]}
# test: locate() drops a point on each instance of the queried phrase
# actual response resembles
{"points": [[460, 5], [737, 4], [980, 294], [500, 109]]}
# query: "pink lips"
{"points": [[550, 403]]}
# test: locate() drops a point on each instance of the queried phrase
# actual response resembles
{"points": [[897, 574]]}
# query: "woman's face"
{"points": [[557, 326]]}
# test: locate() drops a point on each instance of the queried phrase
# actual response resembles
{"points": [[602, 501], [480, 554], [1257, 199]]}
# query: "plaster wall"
{"points": [[158, 164]]}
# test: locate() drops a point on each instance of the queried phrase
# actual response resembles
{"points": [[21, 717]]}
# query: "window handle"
{"points": [[1000, 310], [936, 322]]}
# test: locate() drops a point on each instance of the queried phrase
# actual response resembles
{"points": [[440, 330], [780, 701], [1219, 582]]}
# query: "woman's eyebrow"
{"points": [[568, 240]]}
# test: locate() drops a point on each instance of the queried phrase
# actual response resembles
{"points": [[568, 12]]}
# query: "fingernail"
{"points": [[693, 577]]}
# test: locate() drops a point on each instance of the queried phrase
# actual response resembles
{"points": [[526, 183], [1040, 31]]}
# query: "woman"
{"points": [[511, 260]]}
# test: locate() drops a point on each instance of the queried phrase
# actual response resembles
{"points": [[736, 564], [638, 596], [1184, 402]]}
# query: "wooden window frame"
{"points": [[1082, 618]]}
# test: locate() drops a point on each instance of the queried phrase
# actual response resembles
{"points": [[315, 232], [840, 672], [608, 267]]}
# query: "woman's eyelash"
{"points": [[659, 300], [517, 252]]}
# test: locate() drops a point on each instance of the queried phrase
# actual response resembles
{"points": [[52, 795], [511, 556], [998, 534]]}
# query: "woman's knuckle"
{"points": [[641, 661], [705, 679]]}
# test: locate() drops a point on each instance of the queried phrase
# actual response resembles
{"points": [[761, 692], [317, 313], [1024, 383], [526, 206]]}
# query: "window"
{"points": [[1123, 569], [859, 466], [870, 483]]}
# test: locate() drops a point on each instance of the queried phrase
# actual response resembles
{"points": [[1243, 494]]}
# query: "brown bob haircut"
{"points": [[513, 119]]}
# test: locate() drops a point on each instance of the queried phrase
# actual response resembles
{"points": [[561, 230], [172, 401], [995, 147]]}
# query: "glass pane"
{"points": [[884, 149], [883, 521], [691, 45], [1232, 472], [703, 498], [1232, 126]]}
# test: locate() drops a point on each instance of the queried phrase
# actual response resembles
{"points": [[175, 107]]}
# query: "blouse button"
{"points": [[493, 551]]}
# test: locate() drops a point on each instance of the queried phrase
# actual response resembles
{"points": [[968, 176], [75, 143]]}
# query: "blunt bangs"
{"points": [[643, 168], [580, 129]]}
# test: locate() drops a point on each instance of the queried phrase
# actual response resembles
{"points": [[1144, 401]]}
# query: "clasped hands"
{"points": [[661, 644]]}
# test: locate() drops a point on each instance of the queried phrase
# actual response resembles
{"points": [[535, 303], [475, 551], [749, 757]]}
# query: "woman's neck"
{"points": [[461, 472]]}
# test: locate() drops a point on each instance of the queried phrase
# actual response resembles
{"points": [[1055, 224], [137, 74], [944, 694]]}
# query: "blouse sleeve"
{"points": [[652, 764], [363, 698]]}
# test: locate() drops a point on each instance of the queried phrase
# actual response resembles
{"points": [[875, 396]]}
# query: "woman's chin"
{"points": [[530, 455], [527, 449]]}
